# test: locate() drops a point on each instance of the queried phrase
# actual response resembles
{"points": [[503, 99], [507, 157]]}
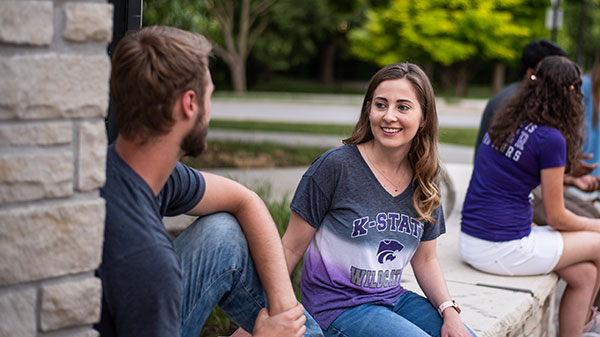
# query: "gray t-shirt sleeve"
{"points": [[183, 191], [431, 230], [313, 196]]}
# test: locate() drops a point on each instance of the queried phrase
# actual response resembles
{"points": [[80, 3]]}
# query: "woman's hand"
{"points": [[453, 325]]}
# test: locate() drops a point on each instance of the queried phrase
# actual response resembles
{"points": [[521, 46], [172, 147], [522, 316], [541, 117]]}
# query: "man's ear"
{"points": [[189, 104]]}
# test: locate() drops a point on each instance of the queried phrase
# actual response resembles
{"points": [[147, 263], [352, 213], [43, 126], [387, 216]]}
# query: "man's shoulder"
{"points": [[506, 93], [133, 220], [123, 184]]}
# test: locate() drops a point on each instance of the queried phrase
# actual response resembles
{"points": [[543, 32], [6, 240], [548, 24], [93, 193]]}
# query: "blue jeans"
{"points": [[217, 270], [410, 316]]}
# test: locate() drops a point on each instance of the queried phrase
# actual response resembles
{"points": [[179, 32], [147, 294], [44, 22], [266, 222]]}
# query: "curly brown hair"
{"points": [[551, 97], [423, 154]]}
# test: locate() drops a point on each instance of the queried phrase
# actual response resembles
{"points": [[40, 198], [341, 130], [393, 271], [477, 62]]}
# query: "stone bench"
{"points": [[490, 307]]}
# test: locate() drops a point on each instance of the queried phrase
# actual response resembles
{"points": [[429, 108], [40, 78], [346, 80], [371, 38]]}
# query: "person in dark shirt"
{"points": [[161, 88]]}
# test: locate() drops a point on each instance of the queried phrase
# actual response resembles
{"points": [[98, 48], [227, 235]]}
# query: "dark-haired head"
{"points": [[535, 51], [551, 96], [423, 155]]}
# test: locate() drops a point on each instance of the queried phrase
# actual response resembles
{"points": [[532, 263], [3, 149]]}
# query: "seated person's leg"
{"points": [[368, 320], [218, 269], [420, 312]]}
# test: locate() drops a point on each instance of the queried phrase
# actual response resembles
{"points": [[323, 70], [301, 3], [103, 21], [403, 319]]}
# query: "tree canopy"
{"points": [[446, 31], [233, 26]]}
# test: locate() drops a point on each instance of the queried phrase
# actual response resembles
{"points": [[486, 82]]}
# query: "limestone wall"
{"points": [[54, 73]]}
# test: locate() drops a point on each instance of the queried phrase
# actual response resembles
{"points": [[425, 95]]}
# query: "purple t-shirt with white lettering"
{"points": [[497, 206], [365, 236]]}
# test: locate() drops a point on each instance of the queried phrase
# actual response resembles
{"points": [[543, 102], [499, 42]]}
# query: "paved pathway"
{"points": [[337, 109], [448, 153]]}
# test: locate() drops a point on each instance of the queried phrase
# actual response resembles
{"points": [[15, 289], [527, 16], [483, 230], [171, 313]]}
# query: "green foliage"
{"points": [[447, 31], [581, 15], [298, 33], [185, 14]]}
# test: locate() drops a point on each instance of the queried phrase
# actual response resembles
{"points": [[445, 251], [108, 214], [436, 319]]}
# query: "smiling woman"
{"points": [[364, 210]]}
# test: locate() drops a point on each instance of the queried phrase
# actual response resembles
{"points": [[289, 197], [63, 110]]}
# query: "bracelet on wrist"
{"points": [[446, 305]]}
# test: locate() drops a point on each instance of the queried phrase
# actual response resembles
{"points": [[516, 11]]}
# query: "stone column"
{"points": [[54, 73]]}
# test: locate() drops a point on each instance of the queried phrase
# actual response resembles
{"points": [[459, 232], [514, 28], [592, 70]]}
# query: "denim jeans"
{"points": [[218, 270], [410, 316]]}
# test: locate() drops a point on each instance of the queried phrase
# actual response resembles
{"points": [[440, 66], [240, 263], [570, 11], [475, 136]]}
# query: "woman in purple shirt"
{"points": [[535, 139]]}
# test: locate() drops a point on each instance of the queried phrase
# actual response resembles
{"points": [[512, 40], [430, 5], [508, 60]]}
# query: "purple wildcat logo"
{"points": [[387, 250]]}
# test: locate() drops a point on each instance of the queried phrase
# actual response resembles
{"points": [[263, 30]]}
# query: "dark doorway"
{"points": [[127, 17]]}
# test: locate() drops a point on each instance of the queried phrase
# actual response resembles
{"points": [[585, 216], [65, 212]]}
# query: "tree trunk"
{"points": [[462, 79], [447, 78], [498, 80], [238, 75], [581, 31], [327, 66], [428, 69]]}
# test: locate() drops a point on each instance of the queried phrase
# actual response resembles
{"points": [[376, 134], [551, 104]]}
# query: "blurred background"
{"points": [[290, 75], [469, 48]]}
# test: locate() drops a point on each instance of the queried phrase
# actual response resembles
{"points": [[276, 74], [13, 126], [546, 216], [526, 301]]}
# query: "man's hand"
{"points": [[587, 183], [582, 168], [288, 323]]}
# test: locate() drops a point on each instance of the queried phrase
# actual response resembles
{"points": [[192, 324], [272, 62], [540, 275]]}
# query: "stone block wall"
{"points": [[54, 73]]}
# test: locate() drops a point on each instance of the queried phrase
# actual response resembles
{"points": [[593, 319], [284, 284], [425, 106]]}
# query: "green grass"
{"points": [[238, 154], [310, 128], [299, 85], [473, 91], [455, 136], [458, 136], [289, 84]]}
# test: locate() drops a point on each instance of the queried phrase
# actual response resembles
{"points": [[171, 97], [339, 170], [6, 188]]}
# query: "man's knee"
{"points": [[216, 228], [216, 237]]}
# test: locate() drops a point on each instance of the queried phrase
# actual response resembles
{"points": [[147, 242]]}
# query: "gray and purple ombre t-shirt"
{"points": [[365, 236]]}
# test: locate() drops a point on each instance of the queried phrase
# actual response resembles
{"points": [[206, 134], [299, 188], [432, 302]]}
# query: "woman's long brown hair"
{"points": [[551, 96], [423, 154]]}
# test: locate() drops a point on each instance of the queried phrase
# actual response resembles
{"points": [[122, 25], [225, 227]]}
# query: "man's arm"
{"points": [[557, 215], [225, 195]]}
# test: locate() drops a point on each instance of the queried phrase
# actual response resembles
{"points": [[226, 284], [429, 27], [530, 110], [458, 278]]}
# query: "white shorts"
{"points": [[535, 254]]}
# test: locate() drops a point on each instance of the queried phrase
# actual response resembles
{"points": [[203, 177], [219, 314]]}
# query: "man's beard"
{"points": [[194, 143]]}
